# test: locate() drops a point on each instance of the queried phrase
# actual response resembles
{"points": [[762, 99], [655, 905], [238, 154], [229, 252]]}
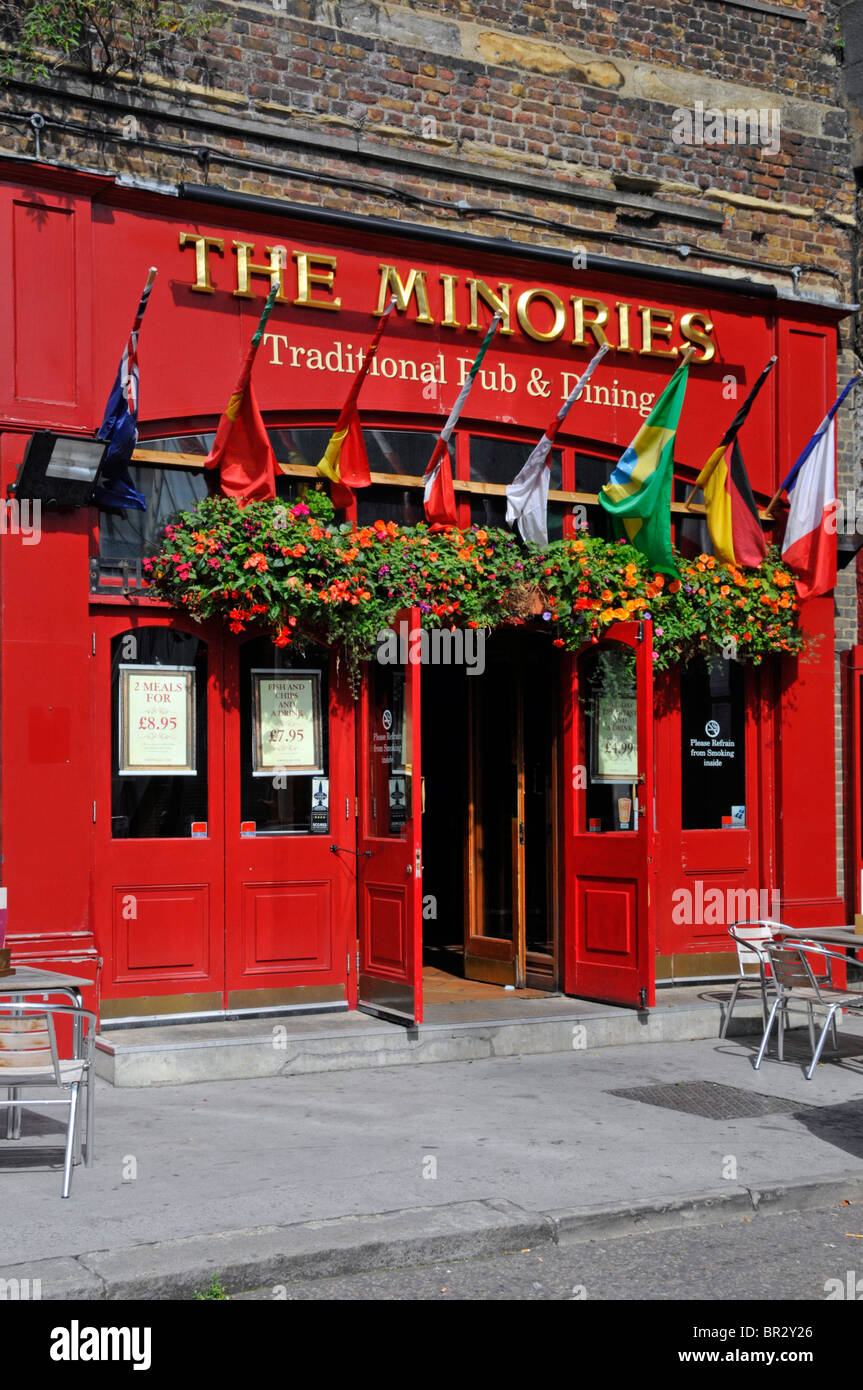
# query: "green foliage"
{"points": [[106, 36], [215, 1289], [290, 569]]}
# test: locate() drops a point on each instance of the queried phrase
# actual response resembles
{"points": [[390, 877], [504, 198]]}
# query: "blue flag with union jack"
{"points": [[120, 425]]}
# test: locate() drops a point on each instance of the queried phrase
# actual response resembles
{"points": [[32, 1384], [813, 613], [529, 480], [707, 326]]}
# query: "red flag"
{"points": [[242, 449], [439, 495]]}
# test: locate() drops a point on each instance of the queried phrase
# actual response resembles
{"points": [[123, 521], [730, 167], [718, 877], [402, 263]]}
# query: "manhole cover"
{"points": [[710, 1100]]}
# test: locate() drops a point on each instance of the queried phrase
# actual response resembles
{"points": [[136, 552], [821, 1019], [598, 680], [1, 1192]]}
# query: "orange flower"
{"points": [[781, 580], [256, 562], [724, 590]]}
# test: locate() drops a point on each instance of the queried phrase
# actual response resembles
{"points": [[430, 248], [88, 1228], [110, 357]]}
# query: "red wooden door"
{"points": [[158, 880], [289, 794], [609, 940], [390, 838]]}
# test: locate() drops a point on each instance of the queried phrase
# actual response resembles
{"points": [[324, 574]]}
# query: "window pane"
{"points": [[280, 804], [403, 505], [591, 473], [607, 698], [691, 535], [132, 534], [399, 451], [713, 751], [158, 806], [389, 744], [498, 461]]}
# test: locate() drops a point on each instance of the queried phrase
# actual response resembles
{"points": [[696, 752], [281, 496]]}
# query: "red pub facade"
{"points": [[459, 813]]}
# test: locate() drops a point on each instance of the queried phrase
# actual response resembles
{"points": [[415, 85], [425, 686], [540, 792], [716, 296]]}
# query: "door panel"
{"points": [[288, 795], [609, 819], [390, 839], [158, 895]]}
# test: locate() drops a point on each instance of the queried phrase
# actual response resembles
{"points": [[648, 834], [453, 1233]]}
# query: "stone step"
{"points": [[176, 1054]]}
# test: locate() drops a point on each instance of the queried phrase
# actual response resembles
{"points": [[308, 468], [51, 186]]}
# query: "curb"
{"points": [[275, 1255]]}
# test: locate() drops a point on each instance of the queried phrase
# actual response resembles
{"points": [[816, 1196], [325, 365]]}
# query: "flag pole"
{"points": [[757, 387], [265, 313], [857, 376], [450, 425]]}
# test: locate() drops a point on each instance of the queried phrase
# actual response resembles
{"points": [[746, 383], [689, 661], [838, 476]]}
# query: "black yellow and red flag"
{"points": [[732, 513]]}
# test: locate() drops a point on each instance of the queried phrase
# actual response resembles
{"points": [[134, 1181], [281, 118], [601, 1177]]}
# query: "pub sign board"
{"points": [[157, 721], [287, 728]]}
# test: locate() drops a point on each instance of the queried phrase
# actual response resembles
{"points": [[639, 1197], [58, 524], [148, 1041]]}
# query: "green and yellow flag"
{"points": [[638, 494]]}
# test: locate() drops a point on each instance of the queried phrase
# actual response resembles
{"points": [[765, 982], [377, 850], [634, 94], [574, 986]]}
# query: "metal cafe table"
{"points": [[842, 937], [28, 981]]}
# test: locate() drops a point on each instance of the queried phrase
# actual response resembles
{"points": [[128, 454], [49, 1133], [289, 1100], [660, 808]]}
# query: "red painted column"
{"points": [[805, 768], [46, 734]]}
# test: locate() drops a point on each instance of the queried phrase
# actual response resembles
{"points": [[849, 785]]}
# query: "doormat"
{"points": [[711, 1100]]}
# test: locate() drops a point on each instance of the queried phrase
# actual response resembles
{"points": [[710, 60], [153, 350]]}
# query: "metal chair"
{"points": [[797, 984], [751, 939], [29, 1058]]}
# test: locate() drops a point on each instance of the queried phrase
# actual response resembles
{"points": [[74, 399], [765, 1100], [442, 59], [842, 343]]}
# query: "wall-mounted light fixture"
{"points": [[60, 470]]}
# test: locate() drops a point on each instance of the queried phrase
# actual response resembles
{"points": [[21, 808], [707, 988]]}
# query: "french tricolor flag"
{"points": [[810, 534]]}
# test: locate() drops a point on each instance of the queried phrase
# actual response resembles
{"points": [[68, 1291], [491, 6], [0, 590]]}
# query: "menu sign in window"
{"points": [[287, 730], [615, 741], [157, 721]]}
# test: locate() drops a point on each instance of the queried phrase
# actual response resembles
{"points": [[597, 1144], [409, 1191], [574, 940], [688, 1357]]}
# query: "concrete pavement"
{"points": [[195, 1180]]}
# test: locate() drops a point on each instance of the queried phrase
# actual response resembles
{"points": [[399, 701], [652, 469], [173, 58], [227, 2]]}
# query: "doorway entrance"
{"points": [[491, 809], [222, 779]]}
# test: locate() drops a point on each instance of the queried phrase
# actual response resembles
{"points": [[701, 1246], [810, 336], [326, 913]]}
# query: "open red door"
{"points": [[609, 936], [390, 832]]}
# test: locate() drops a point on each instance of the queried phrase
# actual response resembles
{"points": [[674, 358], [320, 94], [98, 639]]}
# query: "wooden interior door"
{"points": [[510, 907], [494, 947]]}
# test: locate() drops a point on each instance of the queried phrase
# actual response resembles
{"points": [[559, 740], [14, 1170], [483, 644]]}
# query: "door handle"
{"points": [[360, 853]]}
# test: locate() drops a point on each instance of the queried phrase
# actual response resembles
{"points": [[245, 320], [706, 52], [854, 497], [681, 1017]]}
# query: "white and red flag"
{"points": [[527, 494], [439, 495], [810, 544]]}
